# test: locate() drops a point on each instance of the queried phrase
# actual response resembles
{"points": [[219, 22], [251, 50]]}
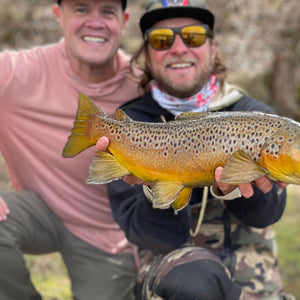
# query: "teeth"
{"points": [[94, 39], [181, 65]]}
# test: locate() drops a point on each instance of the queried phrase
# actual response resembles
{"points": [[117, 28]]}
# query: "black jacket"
{"points": [[161, 230]]}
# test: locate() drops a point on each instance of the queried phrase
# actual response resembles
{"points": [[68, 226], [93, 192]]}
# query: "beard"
{"points": [[186, 88]]}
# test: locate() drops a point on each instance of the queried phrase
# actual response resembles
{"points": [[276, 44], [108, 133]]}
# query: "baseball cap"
{"points": [[158, 10], [124, 3]]}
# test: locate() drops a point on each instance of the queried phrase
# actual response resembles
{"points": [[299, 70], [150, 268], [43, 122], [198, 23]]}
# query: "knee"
{"points": [[190, 273], [202, 279]]}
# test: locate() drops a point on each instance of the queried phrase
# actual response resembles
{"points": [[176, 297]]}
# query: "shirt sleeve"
{"points": [[261, 210]]}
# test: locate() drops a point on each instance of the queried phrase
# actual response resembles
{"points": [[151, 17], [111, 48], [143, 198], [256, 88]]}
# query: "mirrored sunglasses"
{"points": [[163, 38]]}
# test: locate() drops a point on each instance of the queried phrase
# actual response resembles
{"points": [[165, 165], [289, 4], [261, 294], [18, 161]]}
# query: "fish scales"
{"points": [[211, 139], [184, 153]]}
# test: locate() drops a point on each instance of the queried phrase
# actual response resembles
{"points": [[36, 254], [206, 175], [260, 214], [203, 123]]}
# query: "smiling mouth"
{"points": [[94, 39], [180, 65]]}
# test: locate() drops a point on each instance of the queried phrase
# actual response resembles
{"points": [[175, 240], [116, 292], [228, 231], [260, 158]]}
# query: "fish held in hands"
{"points": [[180, 155]]}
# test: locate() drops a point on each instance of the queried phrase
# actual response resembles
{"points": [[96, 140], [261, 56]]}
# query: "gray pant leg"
{"points": [[96, 274], [25, 230], [32, 228]]}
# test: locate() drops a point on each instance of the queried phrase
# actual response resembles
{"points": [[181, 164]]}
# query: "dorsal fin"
{"points": [[87, 107], [191, 116], [122, 116]]}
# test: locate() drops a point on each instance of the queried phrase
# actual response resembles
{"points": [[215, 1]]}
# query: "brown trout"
{"points": [[180, 155]]}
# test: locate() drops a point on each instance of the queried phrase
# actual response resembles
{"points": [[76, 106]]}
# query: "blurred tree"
{"points": [[284, 83]]}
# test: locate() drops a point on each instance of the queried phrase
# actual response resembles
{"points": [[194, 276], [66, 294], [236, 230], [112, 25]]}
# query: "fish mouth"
{"points": [[94, 39]]}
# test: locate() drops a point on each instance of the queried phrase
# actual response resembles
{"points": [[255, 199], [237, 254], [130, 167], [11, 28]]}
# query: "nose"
{"points": [[95, 20], [178, 45]]}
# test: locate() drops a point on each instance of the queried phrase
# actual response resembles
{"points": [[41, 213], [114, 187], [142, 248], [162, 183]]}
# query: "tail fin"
{"points": [[78, 141]]}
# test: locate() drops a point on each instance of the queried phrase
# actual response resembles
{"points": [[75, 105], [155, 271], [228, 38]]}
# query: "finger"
{"points": [[3, 217], [246, 190], [282, 184], [131, 179], [3, 206], [218, 173], [224, 187], [264, 184], [102, 143], [4, 210]]}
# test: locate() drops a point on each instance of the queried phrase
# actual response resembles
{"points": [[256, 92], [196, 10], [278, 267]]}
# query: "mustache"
{"points": [[177, 60]]}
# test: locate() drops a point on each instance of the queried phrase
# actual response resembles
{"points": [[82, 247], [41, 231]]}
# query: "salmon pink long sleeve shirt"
{"points": [[38, 103]]}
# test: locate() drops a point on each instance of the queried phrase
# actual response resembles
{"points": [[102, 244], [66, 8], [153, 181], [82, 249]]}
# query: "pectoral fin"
{"points": [[105, 168], [240, 168], [165, 192], [183, 199]]}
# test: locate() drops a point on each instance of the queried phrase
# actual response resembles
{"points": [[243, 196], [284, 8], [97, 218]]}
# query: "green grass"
{"points": [[50, 277], [288, 237]]}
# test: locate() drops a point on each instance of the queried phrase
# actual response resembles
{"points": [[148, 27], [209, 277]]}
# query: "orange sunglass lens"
{"points": [[193, 36], [161, 38]]}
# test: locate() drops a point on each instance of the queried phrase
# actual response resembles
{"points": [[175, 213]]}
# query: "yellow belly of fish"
{"points": [[187, 170], [282, 168]]}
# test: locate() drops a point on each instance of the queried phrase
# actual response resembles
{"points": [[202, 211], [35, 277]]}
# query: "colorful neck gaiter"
{"points": [[196, 103]]}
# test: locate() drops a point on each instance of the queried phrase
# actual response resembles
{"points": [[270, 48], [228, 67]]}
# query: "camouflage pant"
{"points": [[247, 256], [155, 270]]}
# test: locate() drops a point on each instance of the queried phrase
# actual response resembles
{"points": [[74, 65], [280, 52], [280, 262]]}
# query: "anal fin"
{"points": [[183, 199], [165, 192]]}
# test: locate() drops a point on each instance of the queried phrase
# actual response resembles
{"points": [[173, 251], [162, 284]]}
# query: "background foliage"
{"points": [[260, 42]]}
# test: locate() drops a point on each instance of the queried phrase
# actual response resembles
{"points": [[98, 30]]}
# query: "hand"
{"points": [[246, 189], [4, 211]]}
